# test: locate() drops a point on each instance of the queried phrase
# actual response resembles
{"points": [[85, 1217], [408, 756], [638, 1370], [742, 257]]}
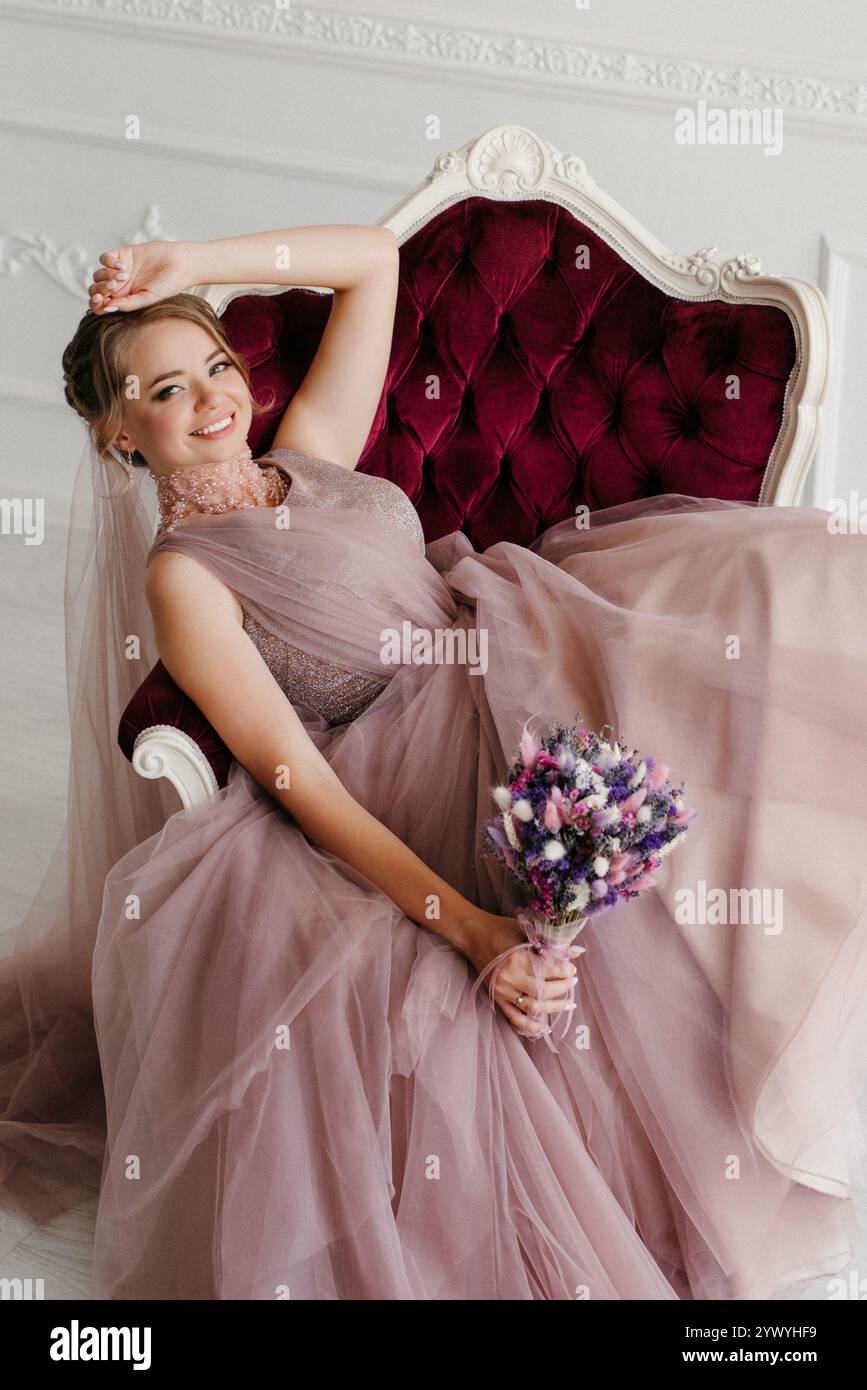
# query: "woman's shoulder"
{"points": [[298, 456], [174, 580]]}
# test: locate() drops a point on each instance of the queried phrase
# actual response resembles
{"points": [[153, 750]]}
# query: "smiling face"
{"points": [[186, 382]]}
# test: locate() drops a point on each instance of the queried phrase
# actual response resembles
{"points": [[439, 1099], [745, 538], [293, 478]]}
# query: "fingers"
{"points": [[116, 280], [139, 300], [102, 295], [111, 303], [119, 259], [527, 1027], [553, 987], [535, 1008], [110, 281]]}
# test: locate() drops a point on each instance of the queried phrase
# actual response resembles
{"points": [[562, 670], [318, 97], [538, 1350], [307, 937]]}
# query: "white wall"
{"points": [[254, 116]]}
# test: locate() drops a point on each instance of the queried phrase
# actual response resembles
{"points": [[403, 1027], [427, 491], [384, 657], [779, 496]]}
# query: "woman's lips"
{"points": [[217, 434]]}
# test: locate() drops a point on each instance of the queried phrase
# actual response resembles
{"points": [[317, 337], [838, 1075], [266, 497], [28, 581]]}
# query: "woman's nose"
{"points": [[208, 394]]}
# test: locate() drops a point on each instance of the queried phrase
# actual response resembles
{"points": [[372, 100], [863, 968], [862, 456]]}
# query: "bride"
{"points": [[303, 1097]]}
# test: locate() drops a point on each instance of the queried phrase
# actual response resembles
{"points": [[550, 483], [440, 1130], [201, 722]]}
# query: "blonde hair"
{"points": [[95, 372]]}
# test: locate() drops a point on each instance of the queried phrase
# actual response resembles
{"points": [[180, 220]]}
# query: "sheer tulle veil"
{"points": [[51, 1105]]}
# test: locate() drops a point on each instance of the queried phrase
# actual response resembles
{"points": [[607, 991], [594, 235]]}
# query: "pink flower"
{"points": [[622, 860], [555, 810], [639, 885], [530, 747], [633, 802], [656, 776]]}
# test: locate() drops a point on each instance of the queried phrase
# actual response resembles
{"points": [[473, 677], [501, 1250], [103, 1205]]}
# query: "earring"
{"points": [[127, 467]]}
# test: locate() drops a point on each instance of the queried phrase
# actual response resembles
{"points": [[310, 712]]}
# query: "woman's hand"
{"points": [[132, 277], [487, 937]]}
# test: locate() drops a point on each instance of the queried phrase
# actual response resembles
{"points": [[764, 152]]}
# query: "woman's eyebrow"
{"points": [[178, 371]]}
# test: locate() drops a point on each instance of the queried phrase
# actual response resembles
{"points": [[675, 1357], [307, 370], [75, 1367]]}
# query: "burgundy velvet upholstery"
{"points": [[520, 387]]}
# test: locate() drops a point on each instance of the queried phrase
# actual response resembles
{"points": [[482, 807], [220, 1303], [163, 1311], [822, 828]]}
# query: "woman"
{"points": [[303, 1096]]}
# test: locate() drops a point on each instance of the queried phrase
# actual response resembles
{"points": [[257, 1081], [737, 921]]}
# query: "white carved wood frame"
{"points": [[511, 163]]}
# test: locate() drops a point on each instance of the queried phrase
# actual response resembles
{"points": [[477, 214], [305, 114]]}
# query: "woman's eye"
{"points": [[164, 394]]}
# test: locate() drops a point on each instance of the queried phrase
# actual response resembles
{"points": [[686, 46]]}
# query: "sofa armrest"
{"points": [[164, 734], [164, 750]]}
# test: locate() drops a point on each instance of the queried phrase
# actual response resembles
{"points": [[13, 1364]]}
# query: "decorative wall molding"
{"points": [[259, 157], [836, 264], [505, 58], [70, 266]]}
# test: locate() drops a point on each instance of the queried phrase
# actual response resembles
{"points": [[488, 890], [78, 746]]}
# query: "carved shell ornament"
{"points": [[504, 162], [510, 160]]}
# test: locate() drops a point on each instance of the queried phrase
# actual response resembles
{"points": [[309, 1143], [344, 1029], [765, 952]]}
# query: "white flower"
{"points": [[615, 844], [583, 772], [678, 803], [597, 782], [639, 775], [600, 866], [605, 758], [511, 832], [522, 809], [643, 814], [580, 897], [503, 798], [596, 801], [666, 849], [553, 850]]}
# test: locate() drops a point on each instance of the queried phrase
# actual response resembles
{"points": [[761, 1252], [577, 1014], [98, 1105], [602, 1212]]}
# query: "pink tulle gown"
{"points": [[302, 1097]]}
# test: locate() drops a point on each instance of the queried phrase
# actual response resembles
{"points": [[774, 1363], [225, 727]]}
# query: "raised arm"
{"points": [[205, 649], [331, 412]]}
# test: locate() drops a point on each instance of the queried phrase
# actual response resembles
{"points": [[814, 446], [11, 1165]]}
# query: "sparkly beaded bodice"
{"points": [[298, 480], [337, 694]]}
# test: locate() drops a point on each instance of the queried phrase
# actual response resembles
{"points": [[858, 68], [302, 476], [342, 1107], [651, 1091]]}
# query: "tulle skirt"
{"points": [[304, 1101]]}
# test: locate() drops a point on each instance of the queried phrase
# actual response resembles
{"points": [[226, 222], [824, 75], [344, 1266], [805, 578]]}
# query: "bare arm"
{"points": [[331, 412], [202, 644]]}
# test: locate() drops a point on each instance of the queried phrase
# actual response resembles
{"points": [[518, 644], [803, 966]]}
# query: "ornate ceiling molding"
{"points": [[504, 56]]}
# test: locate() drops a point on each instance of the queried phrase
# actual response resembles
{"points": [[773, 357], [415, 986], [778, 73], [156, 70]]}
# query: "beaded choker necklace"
{"points": [[226, 486]]}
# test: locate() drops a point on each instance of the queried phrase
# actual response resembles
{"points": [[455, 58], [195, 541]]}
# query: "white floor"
{"points": [[58, 1253]]}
